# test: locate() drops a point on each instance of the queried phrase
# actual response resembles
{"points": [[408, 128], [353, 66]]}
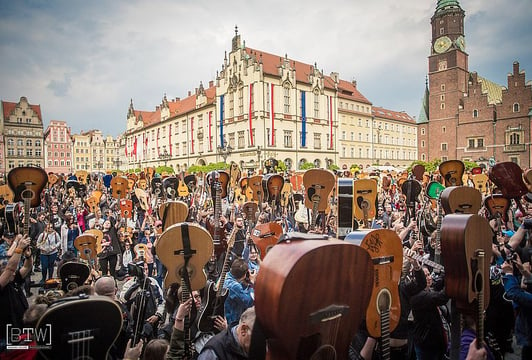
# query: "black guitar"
{"points": [[83, 327], [216, 294]]}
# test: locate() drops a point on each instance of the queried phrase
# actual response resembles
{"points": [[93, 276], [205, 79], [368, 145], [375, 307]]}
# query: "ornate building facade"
{"points": [[264, 106], [22, 127], [58, 148], [465, 116]]}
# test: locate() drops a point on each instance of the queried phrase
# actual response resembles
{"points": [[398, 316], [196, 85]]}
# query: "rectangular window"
{"points": [[317, 141], [286, 100], [287, 139], [241, 139], [444, 146], [316, 106]]}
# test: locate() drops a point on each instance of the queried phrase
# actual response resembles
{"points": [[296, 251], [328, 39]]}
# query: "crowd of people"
{"points": [[167, 321]]}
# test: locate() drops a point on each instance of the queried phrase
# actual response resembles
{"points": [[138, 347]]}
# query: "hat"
{"points": [[508, 233]]}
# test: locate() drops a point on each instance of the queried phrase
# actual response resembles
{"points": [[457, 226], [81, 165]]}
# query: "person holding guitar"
{"points": [[12, 299], [241, 294], [49, 242], [108, 257]]}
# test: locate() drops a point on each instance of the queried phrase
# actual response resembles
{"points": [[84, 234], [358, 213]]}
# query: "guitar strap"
{"points": [[187, 252], [165, 214]]}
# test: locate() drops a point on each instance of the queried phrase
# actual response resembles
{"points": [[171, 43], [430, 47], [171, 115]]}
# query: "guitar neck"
{"points": [[385, 334], [480, 299], [225, 268], [437, 241], [409, 253]]}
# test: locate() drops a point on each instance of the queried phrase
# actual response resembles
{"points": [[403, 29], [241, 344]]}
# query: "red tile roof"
{"points": [[10, 106], [392, 115], [271, 63], [148, 117]]}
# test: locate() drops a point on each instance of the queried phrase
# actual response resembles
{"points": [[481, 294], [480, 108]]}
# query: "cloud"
{"points": [[83, 61]]}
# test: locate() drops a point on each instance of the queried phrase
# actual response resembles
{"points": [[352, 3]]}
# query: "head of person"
{"points": [[245, 328], [8, 237], [106, 225], [253, 253], [105, 286], [239, 269], [239, 221], [156, 349]]}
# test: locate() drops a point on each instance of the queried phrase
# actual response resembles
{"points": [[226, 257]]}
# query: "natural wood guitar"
{"points": [[304, 298]]}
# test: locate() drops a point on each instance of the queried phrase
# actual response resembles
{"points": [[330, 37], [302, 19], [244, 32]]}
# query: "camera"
{"points": [[136, 269], [527, 224]]}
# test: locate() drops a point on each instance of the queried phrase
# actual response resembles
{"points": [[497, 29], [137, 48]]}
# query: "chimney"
{"points": [[177, 99], [189, 93]]}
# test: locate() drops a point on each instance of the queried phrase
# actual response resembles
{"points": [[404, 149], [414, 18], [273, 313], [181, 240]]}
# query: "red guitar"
{"points": [[265, 236]]}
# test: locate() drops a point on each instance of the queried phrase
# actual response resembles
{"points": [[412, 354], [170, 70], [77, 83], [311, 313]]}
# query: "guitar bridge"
{"points": [[328, 313], [383, 260]]}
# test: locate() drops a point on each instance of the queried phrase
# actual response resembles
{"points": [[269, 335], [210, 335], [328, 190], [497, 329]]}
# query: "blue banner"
{"points": [[303, 120], [222, 121]]}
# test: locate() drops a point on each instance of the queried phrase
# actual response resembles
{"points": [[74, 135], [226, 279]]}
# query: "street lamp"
{"points": [[165, 156], [224, 151]]}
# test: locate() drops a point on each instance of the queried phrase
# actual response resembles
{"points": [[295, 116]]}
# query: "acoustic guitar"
{"points": [[74, 332], [384, 309], [215, 293], [468, 237], [119, 187], [461, 199], [98, 234], [143, 199], [27, 183], [434, 189], [73, 274], [182, 188], [272, 184], [364, 199], [418, 171], [265, 236], [527, 178], [304, 297], [54, 179], [87, 245], [126, 208], [297, 182], [319, 184], [452, 172], [92, 204], [6, 196], [497, 206], [82, 176], [172, 212], [254, 189], [508, 177], [185, 243], [480, 181], [286, 195]]}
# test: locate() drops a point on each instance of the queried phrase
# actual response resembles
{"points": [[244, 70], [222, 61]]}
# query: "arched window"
{"points": [[475, 113], [516, 107]]}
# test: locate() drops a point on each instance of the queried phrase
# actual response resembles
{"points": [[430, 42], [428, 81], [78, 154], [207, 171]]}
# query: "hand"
{"points": [[220, 323], [252, 276], [133, 353], [474, 353], [23, 241]]}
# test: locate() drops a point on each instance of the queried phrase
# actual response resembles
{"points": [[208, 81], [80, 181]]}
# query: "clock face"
{"points": [[442, 44], [460, 42]]}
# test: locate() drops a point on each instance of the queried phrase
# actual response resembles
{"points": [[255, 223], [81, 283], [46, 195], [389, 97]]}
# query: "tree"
{"points": [[307, 165]]}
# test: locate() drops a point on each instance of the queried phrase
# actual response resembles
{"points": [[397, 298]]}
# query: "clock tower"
{"points": [[448, 77]]}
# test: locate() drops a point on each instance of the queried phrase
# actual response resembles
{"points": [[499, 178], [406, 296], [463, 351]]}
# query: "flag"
{"points": [[135, 148], [157, 144], [126, 147], [330, 122], [303, 119], [222, 120], [250, 115], [272, 115], [210, 134], [170, 137], [192, 134]]}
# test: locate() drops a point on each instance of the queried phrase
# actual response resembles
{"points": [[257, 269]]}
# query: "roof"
{"points": [[493, 90], [271, 63], [400, 116], [446, 4], [423, 117], [9, 107]]}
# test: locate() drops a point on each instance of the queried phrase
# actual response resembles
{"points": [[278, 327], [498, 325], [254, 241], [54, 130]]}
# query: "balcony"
{"points": [[514, 148]]}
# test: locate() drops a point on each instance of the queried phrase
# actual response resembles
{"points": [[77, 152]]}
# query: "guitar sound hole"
{"points": [[384, 301], [27, 194]]}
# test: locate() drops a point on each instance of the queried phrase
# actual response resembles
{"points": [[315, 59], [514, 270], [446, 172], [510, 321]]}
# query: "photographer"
{"points": [[139, 290]]}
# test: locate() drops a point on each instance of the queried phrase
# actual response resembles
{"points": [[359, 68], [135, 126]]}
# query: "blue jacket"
{"points": [[522, 300], [239, 298]]}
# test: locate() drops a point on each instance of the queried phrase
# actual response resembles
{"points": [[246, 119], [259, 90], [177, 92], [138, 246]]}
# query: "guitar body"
{"points": [[27, 183], [173, 212], [297, 182], [344, 189], [461, 199], [418, 170], [386, 251], [6, 196], [364, 199], [480, 181], [87, 245], [119, 187], [82, 176], [224, 183], [497, 205], [73, 274], [170, 249], [304, 298], [92, 204], [265, 236], [76, 333], [98, 234], [452, 172], [143, 199], [170, 185], [508, 177], [182, 188], [318, 186], [461, 236], [126, 208], [286, 193], [272, 184], [527, 178], [411, 189], [250, 208], [254, 189], [156, 185], [13, 213], [434, 189]]}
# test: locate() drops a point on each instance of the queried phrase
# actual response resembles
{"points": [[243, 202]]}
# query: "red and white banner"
{"points": [[272, 117], [251, 141]]}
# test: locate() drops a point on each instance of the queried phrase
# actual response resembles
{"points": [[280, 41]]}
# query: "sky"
{"points": [[83, 61]]}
